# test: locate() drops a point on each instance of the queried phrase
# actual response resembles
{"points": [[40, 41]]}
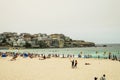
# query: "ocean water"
{"points": [[102, 52]]}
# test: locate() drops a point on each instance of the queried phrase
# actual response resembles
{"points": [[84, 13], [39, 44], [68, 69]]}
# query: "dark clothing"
{"points": [[75, 63], [95, 78], [72, 63]]}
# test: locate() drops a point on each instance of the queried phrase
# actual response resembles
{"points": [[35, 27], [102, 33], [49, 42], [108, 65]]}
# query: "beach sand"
{"points": [[58, 69]]}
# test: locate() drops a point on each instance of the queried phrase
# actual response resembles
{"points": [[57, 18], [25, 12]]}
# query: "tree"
{"points": [[4, 40], [27, 45], [42, 44]]}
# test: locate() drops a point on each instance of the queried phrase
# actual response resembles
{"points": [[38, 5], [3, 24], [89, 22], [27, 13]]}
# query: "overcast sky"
{"points": [[90, 20]]}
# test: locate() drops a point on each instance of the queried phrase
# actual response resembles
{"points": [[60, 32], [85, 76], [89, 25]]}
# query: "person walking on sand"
{"points": [[103, 77], [75, 64], [72, 63], [95, 78]]}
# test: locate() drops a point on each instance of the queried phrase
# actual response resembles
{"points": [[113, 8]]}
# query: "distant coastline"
{"points": [[108, 45]]}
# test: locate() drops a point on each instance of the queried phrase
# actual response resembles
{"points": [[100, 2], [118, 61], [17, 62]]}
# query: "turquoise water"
{"points": [[94, 51]]}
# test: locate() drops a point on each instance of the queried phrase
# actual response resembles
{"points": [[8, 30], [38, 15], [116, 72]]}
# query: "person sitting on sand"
{"points": [[44, 57], [87, 63], [14, 57], [103, 77]]}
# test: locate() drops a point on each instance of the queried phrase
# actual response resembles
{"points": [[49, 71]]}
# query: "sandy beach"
{"points": [[57, 69]]}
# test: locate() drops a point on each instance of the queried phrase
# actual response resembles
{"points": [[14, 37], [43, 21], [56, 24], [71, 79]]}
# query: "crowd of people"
{"points": [[44, 56]]}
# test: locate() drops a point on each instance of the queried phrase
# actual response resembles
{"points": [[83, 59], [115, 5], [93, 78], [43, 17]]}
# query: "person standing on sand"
{"points": [[95, 78], [72, 63], [103, 77], [75, 64]]}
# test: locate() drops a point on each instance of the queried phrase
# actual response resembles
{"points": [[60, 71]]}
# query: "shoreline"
{"points": [[104, 55]]}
